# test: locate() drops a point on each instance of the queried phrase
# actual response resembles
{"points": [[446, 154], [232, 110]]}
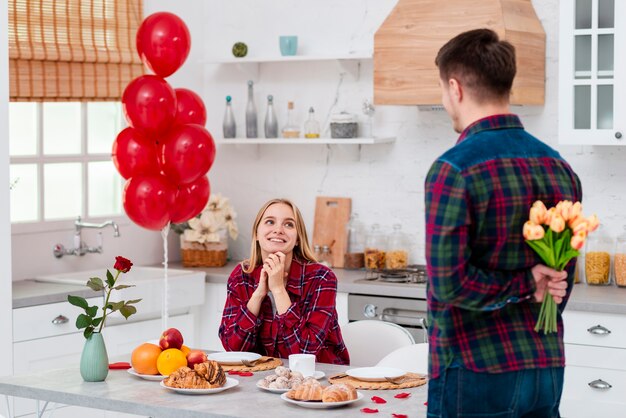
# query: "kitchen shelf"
{"points": [[294, 58], [305, 141]]}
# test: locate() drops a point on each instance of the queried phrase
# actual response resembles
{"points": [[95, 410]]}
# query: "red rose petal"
{"points": [[244, 374], [233, 372], [369, 410], [402, 395], [426, 403], [399, 416], [378, 399]]}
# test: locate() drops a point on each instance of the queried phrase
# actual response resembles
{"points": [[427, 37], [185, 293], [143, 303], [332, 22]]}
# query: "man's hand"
{"points": [[550, 280]]}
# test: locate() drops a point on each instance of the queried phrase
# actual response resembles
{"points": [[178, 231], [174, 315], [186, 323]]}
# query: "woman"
{"points": [[281, 301]]}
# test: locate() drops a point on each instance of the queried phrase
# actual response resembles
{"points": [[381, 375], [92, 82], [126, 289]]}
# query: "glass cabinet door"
{"points": [[590, 37]]}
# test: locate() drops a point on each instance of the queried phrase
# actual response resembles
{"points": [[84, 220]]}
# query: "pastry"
{"points": [[339, 393], [307, 391], [205, 375]]}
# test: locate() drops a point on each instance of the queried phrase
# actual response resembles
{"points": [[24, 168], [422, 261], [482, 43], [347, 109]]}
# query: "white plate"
{"points": [[375, 374], [152, 377], [230, 383], [271, 389], [233, 358], [320, 405]]}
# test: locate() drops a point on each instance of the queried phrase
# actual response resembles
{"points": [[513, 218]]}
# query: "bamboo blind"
{"points": [[72, 50]]}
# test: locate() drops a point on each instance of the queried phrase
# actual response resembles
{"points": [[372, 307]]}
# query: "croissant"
{"points": [[339, 393], [212, 372], [205, 375], [307, 391]]}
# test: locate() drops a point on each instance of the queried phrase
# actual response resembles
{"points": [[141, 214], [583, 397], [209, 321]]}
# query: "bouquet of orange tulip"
{"points": [[556, 235]]}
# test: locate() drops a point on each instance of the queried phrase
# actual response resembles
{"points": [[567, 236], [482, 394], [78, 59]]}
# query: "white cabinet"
{"points": [[592, 72], [595, 372]]}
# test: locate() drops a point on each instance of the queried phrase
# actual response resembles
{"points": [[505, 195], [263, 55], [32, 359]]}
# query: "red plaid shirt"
{"points": [[310, 324]]}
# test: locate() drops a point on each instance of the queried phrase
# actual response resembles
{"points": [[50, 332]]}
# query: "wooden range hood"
{"points": [[406, 44]]}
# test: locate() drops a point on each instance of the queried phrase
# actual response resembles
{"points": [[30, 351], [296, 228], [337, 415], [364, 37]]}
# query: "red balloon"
{"points": [[190, 200], [149, 104], [163, 43], [188, 153], [148, 199], [189, 107], [134, 155]]}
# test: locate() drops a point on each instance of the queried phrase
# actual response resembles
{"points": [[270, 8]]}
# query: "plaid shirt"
{"points": [[480, 289], [310, 324]]}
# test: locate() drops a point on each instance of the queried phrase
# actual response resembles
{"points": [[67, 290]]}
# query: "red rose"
{"points": [[122, 264]]}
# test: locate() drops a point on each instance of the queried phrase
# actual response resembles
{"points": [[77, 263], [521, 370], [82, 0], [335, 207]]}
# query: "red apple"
{"points": [[171, 338], [195, 357]]}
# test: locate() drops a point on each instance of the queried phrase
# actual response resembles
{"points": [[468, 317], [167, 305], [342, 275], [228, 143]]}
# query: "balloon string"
{"points": [[166, 294]]}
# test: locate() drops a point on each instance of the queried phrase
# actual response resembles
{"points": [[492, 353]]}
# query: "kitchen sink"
{"points": [[185, 288]]}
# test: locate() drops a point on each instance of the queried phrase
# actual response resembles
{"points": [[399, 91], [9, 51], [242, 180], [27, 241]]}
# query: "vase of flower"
{"points": [[204, 238], [94, 361]]}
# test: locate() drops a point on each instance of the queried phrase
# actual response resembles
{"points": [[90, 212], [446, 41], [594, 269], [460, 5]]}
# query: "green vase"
{"points": [[94, 362]]}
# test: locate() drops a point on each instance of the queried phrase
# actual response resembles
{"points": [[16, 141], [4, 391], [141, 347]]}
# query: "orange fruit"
{"points": [[171, 360], [144, 358], [185, 350]]}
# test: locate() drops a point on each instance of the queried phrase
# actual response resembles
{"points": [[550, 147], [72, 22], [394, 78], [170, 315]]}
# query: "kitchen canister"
{"points": [[598, 258], [343, 125], [94, 361], [619, 259]]}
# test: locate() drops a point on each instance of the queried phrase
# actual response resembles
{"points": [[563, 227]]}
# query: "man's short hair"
{"points": [[481, 62]]}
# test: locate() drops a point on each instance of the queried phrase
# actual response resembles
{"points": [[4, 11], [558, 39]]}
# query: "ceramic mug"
{"points": [[288, 45], [303, 363]]}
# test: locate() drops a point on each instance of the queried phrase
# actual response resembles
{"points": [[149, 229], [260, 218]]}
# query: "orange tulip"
{"points": [[574, 222], [532, 231], [548, 216], [583, 225], [578, 240], [557, 223], [576, 211], [538, 214], [593, 222], [565, 208]]}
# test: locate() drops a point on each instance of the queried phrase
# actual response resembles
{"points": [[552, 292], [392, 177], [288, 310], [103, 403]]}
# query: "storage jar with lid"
{"points": [[598, 258], [375, 247], [354, 257], [619, 259], [397, 249]]}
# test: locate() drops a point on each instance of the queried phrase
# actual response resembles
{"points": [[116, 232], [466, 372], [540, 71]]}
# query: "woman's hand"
{"points": [[274, 267], [262, 288]]}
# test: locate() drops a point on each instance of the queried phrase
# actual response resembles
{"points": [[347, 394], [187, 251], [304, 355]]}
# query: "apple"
{"points": [[195, 357], [171, 338]]}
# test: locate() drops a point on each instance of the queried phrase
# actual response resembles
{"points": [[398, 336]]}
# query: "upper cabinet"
{"points": [[406, 44], [592, 72]]}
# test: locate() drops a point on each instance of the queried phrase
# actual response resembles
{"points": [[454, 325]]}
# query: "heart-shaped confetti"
{"points": [[402, 395]]}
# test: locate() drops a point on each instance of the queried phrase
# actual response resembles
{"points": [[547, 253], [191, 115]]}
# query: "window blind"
{"points": [[72, 50]]}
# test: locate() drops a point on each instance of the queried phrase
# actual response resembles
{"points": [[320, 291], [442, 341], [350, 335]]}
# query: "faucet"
{"points": [[80, 248]]}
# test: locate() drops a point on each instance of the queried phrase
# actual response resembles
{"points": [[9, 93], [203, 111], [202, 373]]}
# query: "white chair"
{"points": [[412, 358], [369, 341]]}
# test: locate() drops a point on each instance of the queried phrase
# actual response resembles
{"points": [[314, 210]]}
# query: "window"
{"points": [[61, 164]]}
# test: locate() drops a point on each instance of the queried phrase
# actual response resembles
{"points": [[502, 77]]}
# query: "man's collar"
{"points": [[504, 121]]}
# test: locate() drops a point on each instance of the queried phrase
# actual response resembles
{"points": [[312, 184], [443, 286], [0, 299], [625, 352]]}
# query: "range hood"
{"points": [[406, 44]]}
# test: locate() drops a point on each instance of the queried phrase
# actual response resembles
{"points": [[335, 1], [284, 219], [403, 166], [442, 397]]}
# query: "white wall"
{"points": [[6, 322], [385, 182]]}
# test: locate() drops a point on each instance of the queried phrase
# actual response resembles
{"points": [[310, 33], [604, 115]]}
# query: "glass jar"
{"points": [[326, 257], [354, 257], [619, 259], [397, 249], [375, 247], [598, 258]]}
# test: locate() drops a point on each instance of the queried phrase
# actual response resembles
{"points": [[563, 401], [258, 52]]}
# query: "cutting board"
{"points": [[329, 228]]}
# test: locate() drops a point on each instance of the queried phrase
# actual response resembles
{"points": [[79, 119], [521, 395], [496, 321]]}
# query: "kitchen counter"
{"points": [[601, 299], [125, 393]]}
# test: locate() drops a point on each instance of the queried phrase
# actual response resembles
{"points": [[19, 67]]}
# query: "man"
{"points": [[485, 284]]}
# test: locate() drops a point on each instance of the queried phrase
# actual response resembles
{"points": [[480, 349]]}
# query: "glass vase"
{"points": [[94, 361]]}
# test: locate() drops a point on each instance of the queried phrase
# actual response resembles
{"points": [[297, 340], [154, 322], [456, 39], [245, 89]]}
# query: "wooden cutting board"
{"points": [[329, 228]]}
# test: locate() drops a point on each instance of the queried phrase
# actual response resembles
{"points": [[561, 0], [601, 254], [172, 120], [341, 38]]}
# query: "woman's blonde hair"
{"points": [[302, 249]]}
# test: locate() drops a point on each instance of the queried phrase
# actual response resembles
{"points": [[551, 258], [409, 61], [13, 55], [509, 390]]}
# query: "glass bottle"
{"points": [[354, 257], [375, 247], [598, 258], [229, 126], [291, 130], [251, 121], [271, 123], [397, 249], [311, 126], [326, 257], [619, 259], [317, 252]]}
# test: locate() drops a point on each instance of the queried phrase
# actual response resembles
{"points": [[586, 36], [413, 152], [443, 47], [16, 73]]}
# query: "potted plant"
{"points": [[204, 238]]}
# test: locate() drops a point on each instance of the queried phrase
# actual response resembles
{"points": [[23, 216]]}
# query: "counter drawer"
{"points": [[589, 328], [47, 320], [594, 356], [581, 400]]}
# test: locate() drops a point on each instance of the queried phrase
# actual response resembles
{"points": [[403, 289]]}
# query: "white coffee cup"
{"points": [[303, 363]]}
